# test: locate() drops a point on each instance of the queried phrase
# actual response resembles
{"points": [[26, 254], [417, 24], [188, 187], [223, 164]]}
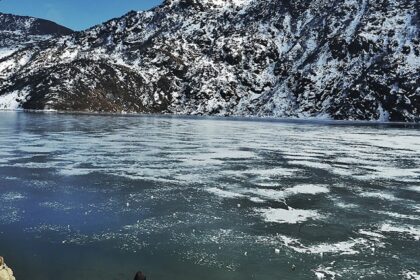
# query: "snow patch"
{"points": [[13, 100], [4, 52]]}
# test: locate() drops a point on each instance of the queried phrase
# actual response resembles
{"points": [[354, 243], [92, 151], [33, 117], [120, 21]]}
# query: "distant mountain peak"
{"points": [[31, 25], [21, 30]]}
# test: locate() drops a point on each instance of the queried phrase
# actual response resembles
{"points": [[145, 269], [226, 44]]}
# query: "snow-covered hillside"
{"points": [[341, 59], [17, 32]]}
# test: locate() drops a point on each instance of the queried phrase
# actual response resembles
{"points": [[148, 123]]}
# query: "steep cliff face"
{"points": [[342, 59]]}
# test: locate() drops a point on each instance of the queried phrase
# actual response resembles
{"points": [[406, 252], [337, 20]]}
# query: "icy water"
{"points": [[100, 197]]}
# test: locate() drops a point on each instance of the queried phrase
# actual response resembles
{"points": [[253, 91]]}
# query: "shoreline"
{"points": [[269, 119]]}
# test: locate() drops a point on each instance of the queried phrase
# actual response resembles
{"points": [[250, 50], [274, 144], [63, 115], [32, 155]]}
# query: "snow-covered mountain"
{"points": [[341, 59], [17, 32]]}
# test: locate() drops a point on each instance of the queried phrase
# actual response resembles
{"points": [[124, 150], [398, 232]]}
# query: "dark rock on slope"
{"points": [[341, 59]]}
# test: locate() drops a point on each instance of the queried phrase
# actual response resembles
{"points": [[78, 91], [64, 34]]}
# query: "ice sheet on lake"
{"points": [[201, 185]]}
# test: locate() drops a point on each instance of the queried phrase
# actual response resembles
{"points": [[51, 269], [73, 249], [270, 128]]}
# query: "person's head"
{"points": [[1, 261], [140, 276]]}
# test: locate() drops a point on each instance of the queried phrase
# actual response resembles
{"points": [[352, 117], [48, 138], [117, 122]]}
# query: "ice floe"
{"points": [[380, 195], [325, 272], [414, 188], [288, 216], [307, 189], [12, 196], [371, 233], [409, 231], [224, 193], [348, 247], [411, 275]]}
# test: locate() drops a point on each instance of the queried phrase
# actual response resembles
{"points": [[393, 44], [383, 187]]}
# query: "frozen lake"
{"points": [[100, 197]]}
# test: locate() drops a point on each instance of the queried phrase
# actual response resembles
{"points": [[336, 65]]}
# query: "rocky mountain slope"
{"points": [[17, 32], [341, 59]]}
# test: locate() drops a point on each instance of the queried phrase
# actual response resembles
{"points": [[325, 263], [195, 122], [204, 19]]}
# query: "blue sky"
{"points": [[75, 14]]}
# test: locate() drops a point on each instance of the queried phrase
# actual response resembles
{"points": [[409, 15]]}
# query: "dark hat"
{"points": [[140, 276]]}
